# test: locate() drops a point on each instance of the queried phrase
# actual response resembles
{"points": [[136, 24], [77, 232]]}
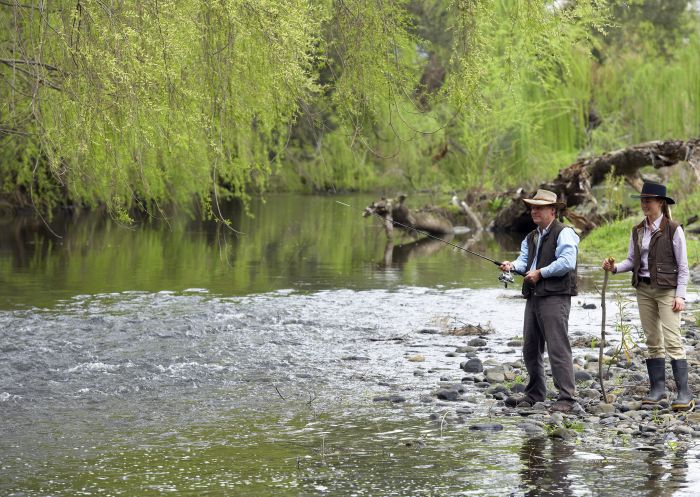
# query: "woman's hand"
{"points": [[609, 264], [678, 304]]}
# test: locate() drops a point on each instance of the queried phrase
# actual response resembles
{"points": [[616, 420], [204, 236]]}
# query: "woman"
{"points": [[659, 264]]}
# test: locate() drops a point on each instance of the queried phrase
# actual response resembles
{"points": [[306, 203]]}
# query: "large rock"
{"points": [[583, 376], [495, 375], [473, 366]]}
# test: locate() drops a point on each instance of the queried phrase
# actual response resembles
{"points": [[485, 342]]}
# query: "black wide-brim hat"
{"points": [[654, 190]]}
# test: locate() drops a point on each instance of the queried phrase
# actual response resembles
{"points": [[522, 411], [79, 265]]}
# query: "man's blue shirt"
{"points": [[565, 254]]}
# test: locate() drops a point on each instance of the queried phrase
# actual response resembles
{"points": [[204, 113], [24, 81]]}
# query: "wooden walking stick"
{"points": [[601, 353]]}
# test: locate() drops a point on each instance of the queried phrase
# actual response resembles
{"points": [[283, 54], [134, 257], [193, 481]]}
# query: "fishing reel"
{"points": [[505, 278]]}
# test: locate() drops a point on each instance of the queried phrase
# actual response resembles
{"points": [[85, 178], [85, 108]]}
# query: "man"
{"points": [[548, 261]]}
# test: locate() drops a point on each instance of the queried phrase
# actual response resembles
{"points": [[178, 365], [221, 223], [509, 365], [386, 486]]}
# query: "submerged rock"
{"points": [[390, 398], [486, 427], [532, 429], [355, 358], [429, 331], [563, 433], [450, 395]]}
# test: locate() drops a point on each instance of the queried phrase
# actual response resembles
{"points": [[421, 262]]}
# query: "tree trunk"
{"points": [[573, 184]]}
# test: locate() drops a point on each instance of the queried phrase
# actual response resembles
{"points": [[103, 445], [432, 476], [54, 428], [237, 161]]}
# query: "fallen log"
{"points": [[574, 183]]}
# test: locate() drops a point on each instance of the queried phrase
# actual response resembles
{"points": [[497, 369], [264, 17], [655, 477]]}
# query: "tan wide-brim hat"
{"points": [[544, 197]]}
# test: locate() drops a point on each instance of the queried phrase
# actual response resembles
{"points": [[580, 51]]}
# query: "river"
{"points": [[298, 355]]}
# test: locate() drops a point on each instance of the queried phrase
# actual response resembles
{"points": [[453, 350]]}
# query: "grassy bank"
{"points": [[613, 240]]}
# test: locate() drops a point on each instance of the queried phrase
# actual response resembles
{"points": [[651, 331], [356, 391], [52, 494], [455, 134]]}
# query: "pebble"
{"points": [[601, 408]]}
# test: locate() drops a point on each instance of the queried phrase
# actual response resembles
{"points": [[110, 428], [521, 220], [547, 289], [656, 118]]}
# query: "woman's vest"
{"points": [[663, 266], [557, 285]]}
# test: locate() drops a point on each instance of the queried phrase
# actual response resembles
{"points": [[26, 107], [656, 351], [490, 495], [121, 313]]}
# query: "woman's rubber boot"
{"points": [[684, 401], [657, 381]]}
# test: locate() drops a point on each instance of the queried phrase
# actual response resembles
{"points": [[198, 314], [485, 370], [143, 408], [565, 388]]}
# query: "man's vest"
{"points": [[663, 266], [556, 285]]}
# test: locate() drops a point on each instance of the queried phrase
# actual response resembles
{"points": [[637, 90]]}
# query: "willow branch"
{"points": [[14, 62]]}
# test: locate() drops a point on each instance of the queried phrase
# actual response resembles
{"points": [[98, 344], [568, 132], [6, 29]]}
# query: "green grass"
{"points": [[609, 240], [613, 240]]}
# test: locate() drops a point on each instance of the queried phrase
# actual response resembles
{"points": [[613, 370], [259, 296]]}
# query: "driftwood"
{"points": [[395, 213], [468, 212], [574, 183]]}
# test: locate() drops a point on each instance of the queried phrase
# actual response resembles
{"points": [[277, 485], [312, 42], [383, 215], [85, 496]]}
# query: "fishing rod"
{"points": [[505, 277]]}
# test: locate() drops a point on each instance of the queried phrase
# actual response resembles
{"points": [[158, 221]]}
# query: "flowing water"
{"points": [[299, 356]]}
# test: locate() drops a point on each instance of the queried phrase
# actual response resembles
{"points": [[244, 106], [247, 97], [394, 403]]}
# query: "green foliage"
{"points": [[518, 380], [627, 341], [147, 105], [530, 88], [643, 97], [651, 26], [614, 193], [575, 425], [496, 204]]}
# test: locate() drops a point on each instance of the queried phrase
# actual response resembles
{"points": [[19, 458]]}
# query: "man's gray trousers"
{"points": [[547, 322]]}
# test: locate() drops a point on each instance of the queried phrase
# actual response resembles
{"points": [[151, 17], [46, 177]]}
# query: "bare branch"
{"points": [[13, 62], [12, 131], [38, 78], [25, 6]]}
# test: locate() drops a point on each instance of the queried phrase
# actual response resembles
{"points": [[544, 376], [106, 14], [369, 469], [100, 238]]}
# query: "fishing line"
{"points": [[505, 277]]}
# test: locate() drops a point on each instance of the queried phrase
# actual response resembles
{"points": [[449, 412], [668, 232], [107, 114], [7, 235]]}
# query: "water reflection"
{"points": [[545, 472], [293, 241], [665, 476], [554, 467], [398, 255]]}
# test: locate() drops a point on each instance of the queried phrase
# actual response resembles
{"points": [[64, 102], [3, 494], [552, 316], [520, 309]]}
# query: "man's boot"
{"points": [[684, 401], [657, 381]]}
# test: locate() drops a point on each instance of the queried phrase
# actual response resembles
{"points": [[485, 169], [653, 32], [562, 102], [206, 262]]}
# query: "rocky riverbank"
{"points": [[622, 419]]}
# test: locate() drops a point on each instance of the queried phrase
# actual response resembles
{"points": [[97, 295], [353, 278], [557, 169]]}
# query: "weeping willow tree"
{"points": [[154, 104], [474, 91], [151, 103], [533, 90]]}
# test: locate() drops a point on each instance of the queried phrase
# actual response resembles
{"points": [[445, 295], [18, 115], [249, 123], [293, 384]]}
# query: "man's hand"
{"points": [[532, 277], [506, 266], [678, 304]]}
